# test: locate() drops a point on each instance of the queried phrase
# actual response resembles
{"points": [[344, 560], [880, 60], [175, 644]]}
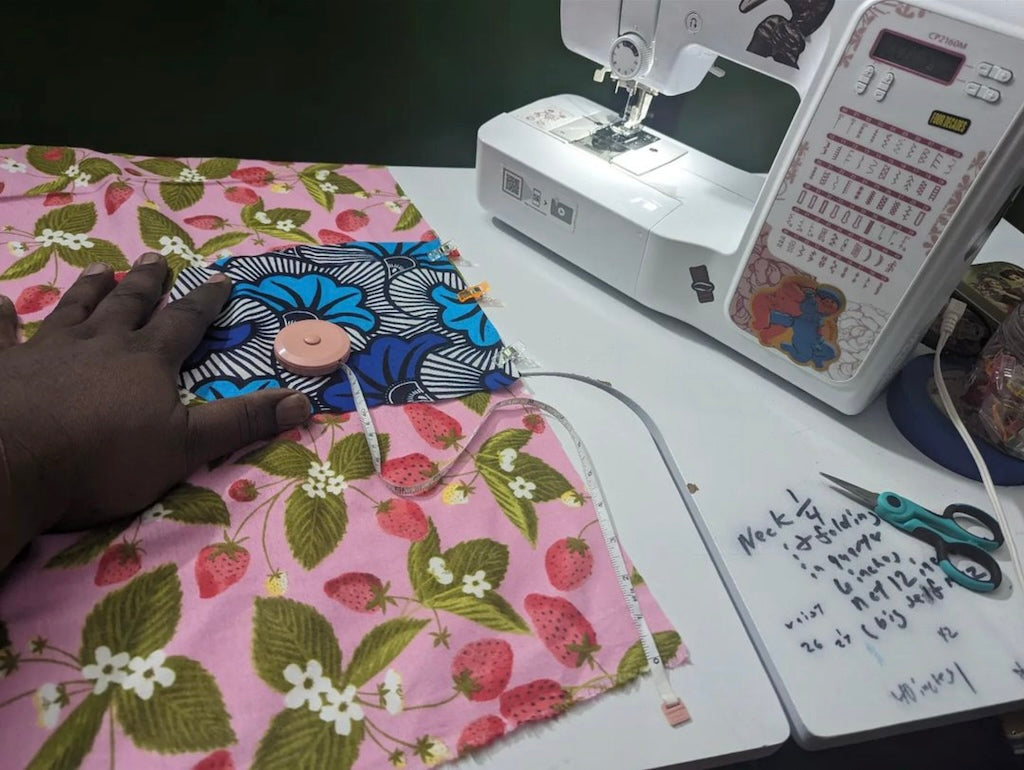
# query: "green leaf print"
{"points": [[76, 218], [513, 438], [518, 510], [285, 631], [187, 715], [181, 195], [314, 525], [153, 226], [10, 146], [399, 191], [54, 185], [492, 611], [409, 219], [478, 402], [69, 744], [472, 556], [98, 168], [162, 166], [217, 168], [550, 483], [139, 618], [299, 740], [282, 458], [30, 263], [291, 236], [634, 662], [38, 158], [188, 504], [89, 546], [29, 329], [298, 217], [350, 456], [379, 647], [345, 185], [319, 195], [221, 242], [101, 251], [418, 562], [249, 212]]}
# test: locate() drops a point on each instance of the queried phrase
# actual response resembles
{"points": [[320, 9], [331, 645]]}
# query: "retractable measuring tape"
{"points": [[315, 348]]}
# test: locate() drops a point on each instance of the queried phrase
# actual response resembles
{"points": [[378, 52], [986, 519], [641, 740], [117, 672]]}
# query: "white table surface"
{"points": [[571, 323]]}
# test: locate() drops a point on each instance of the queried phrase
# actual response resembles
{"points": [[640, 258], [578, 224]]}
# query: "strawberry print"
{"points": [[242, 195], [533, 701], [359, 591], [438, 429], [219, 566], [54, 153], [295, 434], [36, 298], [119, 275], [402, 518], [456, 493], [57, 199], [480, 732], [351, 219], [565, 632], [118, 563], [333, 237], [254, 175], [408, 470], [428, 235], [115, 195], [243, 490], [481, 669], [218, 760], [568, 562], [276, 583], [206, 222], [534, 423]]}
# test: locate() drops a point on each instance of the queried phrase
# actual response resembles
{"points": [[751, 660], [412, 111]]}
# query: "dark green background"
{"points": [[404, 82], [377, 81]]}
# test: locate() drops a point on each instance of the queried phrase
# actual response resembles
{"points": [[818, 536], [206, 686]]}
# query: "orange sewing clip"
{"points": [[473, 293]]}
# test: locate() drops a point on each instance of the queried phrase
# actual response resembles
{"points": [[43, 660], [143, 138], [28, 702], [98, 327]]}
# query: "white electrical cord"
{"points": [[954, 311]]}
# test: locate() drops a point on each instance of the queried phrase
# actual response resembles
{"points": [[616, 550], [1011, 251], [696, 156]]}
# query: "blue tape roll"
{"points": [[924, 426]]}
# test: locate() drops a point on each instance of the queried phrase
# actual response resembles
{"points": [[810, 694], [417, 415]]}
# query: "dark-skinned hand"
{"points": [[91, 424]]}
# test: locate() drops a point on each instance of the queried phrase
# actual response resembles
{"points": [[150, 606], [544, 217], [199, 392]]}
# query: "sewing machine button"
{"points": [[888, 79], [973, 88], [990, 95], [984, 69], [860, 87], [868, 73], [1001, 74], [879, 94]]}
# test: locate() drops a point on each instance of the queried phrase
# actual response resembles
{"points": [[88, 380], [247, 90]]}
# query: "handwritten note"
{"points": [[845, 551]]}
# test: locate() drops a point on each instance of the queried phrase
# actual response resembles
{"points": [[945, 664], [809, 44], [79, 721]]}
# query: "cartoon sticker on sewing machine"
{"points": [[798, 316], [907, 142], [783, 39]]}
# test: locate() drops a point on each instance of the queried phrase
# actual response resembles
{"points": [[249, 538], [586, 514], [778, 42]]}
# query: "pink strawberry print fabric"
{"points": [[283, 609]]}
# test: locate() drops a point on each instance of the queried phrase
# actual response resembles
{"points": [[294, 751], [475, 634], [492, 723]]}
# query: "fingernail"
{"points": [[291, 411], [148, 258], [217, 278], [95, 269]]}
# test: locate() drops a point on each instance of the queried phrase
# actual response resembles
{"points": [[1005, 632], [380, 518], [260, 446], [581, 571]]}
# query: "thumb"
{"points": [[8, 323], [224, 426]]}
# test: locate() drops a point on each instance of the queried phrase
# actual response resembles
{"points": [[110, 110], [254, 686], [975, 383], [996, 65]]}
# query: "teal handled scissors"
{"points": [[941, 531]]}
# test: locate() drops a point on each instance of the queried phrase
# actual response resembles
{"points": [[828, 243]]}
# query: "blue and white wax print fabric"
{"points": [[412, 340]]}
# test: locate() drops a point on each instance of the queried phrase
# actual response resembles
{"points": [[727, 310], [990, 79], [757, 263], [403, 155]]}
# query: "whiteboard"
{"points": [[860, 629]]}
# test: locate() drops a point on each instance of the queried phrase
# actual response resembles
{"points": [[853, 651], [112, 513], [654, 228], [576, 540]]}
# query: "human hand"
{"points": [[90, 419]]}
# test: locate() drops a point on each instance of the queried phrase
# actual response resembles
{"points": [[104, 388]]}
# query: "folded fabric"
{"points": [[412, 340]]}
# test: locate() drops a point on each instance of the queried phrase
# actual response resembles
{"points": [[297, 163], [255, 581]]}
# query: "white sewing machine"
{"points": [[905, 148]]}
